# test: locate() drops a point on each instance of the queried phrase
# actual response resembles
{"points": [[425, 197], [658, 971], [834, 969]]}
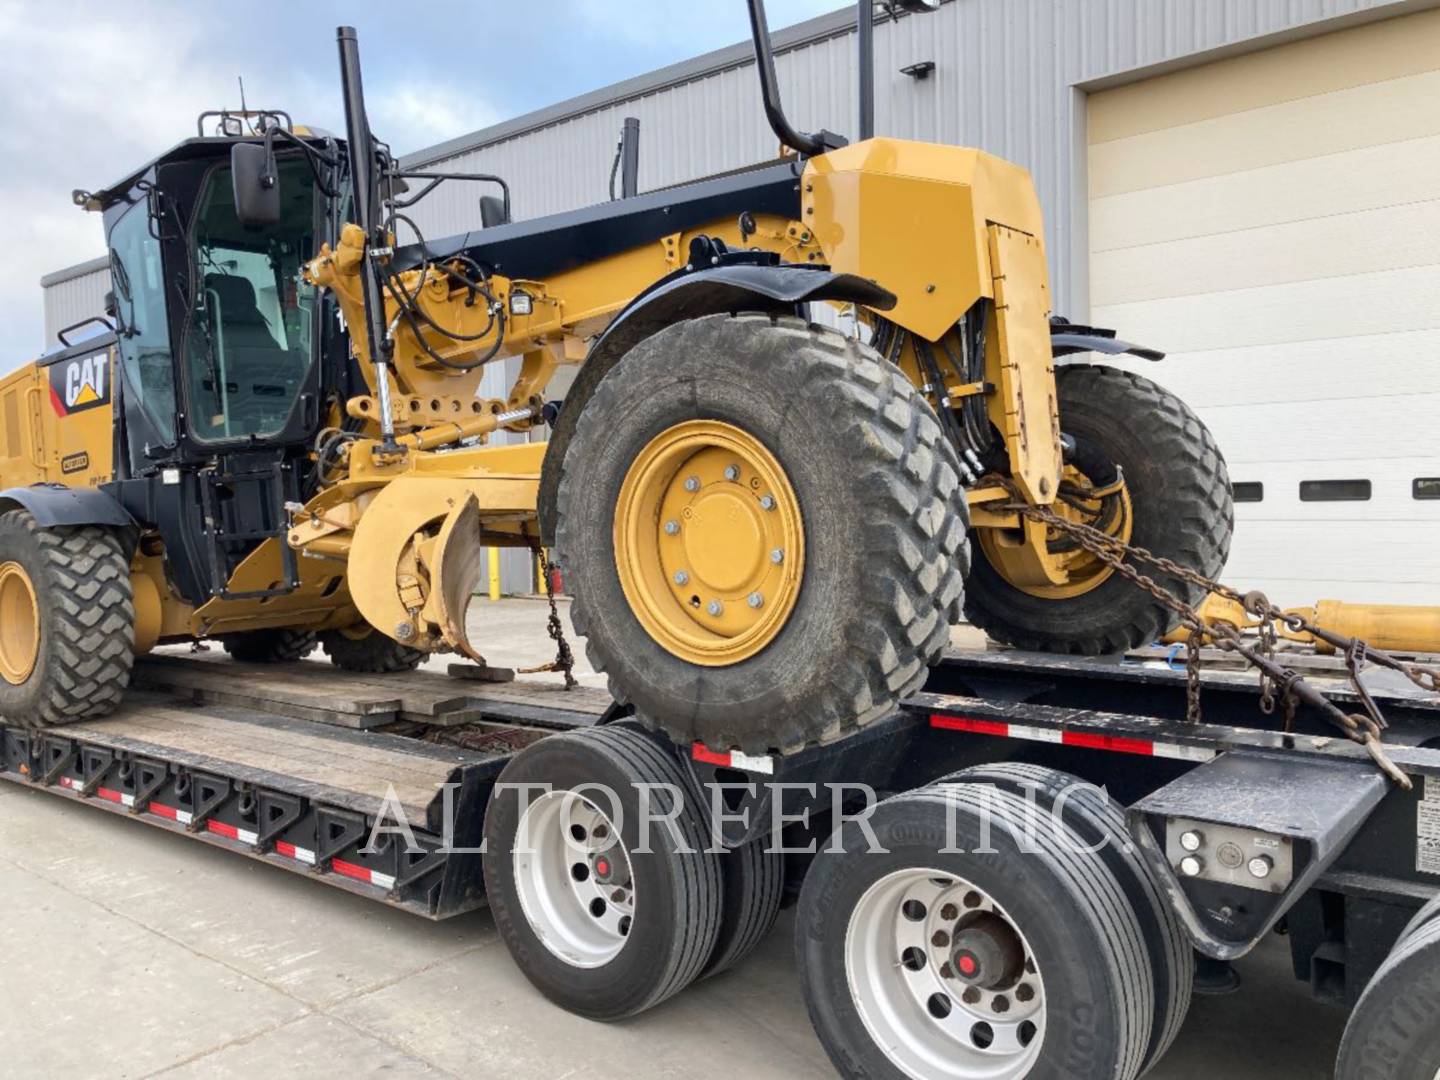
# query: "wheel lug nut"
{"points": [[949, 912], [714, 607], [672, 527], [732, 472], [755, 599], [681, 577], [767, 502], [692, 483], [777, 556], [941, 940]]}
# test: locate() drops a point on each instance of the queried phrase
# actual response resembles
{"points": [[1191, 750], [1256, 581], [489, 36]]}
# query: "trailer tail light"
{"points": [[1237, 840]]}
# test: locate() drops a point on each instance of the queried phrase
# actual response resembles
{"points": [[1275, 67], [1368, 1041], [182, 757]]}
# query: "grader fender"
{"points": [[1067, 339], [54, 505], [690, 295]]}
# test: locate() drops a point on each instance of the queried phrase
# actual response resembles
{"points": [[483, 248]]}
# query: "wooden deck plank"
{"points": [[313, 690]]}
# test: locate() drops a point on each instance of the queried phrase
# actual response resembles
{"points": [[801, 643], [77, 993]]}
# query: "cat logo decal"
{"points": [[80, 384]]}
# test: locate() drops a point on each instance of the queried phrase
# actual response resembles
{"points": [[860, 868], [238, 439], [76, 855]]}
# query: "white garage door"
{"points": [[1273, 222]]}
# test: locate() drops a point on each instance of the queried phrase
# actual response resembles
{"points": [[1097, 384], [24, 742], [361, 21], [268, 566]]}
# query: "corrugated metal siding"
{"points": [[1004, 81], [73, 300]]}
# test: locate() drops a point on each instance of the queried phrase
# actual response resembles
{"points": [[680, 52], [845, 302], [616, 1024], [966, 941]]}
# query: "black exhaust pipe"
{"points": [[365, 180]]}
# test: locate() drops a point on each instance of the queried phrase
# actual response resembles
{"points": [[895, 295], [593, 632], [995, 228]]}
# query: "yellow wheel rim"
{"points": [[19, 624], [709, 542], [1085, 571]]}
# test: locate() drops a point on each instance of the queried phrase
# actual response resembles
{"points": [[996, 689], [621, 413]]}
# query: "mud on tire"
{"points": [[884, 518], [86, 607]]}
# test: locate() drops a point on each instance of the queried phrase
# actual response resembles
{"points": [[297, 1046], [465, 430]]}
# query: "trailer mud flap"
{"points": [[1239, 839]]}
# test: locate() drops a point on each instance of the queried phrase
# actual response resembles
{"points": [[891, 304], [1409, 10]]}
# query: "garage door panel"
{"points": [[1395, 174], [1394, 237], [1390, 49], [1375, 428], [1380, 365], [1360, 305], [1273, 223], [1369, 115]]}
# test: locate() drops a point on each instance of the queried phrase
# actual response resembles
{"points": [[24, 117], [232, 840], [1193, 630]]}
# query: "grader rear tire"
{"points": [[1180, 497], [821, 558], [270, 646], [67, 622], [370, 654]]}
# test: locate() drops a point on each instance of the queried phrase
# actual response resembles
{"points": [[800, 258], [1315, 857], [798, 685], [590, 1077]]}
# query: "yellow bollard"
{"points": [[494, 573]]}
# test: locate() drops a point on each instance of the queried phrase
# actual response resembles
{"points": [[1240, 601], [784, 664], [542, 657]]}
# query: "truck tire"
{"points": [[950, 951], [720, 632], [371, 653], [1100, 824], [1421, 917], [67, 622], [1394, 1032], [602, 924], [753, 878], [1179, 491], [278, 646]]}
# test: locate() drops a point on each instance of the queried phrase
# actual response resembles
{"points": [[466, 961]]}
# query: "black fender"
{"points": [[54, 505], [1067, 338], [750, 285]]}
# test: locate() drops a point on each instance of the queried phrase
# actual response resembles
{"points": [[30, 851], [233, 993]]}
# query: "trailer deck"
{"points": [[297, 764]]}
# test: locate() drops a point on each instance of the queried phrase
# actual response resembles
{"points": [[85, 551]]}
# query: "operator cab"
{"points": [[221, 345]]}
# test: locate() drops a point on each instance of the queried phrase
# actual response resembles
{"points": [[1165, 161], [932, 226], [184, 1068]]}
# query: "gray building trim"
{"points": [[70, 273]]}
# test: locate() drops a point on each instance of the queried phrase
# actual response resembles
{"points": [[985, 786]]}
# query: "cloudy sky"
{"points": [[89, 90]]}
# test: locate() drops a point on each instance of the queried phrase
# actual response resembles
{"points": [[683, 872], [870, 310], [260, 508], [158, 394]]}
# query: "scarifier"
{"points": [[767, 525]]}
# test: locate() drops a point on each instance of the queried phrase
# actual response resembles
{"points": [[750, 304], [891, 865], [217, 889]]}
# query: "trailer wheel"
{"points": [[1100, 824], [367, 650], [605, 916], [279, 646], [754, 885], [67, 622], [1017, 959], [1420, 918], [1394, 1032], [763, 529], [1178, 505]]}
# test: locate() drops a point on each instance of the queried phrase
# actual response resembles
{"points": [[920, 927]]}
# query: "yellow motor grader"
{"points": [[768, 526]]}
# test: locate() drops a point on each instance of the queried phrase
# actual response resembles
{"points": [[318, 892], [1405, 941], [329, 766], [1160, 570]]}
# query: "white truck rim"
{"points": [[574, 880], [908, 940]]}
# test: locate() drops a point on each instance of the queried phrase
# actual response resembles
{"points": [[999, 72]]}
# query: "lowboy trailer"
{"points": [[1218, 833]]}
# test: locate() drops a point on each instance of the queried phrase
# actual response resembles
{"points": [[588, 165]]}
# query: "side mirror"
{"points": [[257, 185], [493, 212]]}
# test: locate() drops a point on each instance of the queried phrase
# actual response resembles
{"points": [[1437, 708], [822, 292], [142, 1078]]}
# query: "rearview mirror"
{"points": [[257, 186]]}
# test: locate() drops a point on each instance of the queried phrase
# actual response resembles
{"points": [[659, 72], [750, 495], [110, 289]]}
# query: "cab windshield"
{"points": [[249, 340]]}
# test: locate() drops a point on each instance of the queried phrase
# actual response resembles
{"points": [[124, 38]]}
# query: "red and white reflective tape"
{"points": [[182, 817], [120, 798], [733, 759], [299, 854], [1122, 744], [231, 832], [362, 874]]}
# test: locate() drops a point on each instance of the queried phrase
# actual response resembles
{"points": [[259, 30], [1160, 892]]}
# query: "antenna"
{"points": [[244, 112]]}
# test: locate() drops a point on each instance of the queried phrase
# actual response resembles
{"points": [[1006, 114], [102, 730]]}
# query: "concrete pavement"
{"points": [[129, 952]]}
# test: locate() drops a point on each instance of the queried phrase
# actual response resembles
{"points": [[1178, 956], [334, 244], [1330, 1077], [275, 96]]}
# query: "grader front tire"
{"points": [[846, 440], [1181, 506], [69, 622]]}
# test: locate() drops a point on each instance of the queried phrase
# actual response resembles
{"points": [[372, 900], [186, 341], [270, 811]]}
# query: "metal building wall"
{"points": [[73, 295], [1005, 81]]}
